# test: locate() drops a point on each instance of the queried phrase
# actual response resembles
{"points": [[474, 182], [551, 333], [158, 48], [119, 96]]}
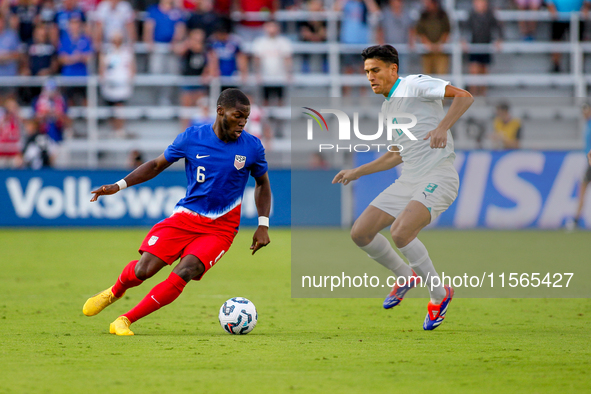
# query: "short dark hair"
{"points": [[503, 107], [223, 25], [386, 53], [230, 97]]}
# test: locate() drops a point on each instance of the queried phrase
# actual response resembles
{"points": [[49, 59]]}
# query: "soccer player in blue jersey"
{"points": [[218, 160]]}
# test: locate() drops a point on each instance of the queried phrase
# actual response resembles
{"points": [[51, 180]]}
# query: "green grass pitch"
{"points": [[299, 345]]}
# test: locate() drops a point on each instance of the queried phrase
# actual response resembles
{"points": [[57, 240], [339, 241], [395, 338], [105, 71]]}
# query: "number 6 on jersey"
{"points": [[200, 174]]}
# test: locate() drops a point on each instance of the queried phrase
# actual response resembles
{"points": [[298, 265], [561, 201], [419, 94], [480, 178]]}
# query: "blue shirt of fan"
{"points": [[164, 22], [63, 16], [355, 29], [567, 5], [226, 51], [69, 47], [215, 178]]}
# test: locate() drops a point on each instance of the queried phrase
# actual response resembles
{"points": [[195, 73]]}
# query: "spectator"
{"points": [[575, 221], [64, 14], [318, 162], [204, 18], [50, 111], [355, 29], [40, 59], [227, 48], [248, 30], [164, 26], [117, 68], [23, 16], [75, 51], [314, 31], [397, 27], [507, 130], [41, 54], [528, 28], [222, 7], [9, 54], [559, 28], [273, 60], [433, 30], [135, 159], [258, 124], [482, 25], [47, 14], [38, 150], [112, 17], [10, 134], [203, 115], [196, 61]]}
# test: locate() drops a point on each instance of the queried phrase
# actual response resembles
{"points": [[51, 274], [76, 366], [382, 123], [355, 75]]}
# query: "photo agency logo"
{"points": [[393, 125]]}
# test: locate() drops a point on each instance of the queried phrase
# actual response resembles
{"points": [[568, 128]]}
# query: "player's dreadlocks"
{"points": [[230, 97]]}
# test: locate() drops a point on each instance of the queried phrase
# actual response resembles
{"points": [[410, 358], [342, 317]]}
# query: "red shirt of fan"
{"points": [[10, 136]]}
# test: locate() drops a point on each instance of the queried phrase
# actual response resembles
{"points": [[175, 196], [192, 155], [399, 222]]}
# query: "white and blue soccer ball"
{"points": [[238, 316]]}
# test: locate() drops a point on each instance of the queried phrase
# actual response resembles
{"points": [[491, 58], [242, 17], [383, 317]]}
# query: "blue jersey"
{"points": [[588, 137], [217, 171]]}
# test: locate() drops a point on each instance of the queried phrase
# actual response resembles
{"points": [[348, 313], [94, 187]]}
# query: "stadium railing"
{"points": [[334, 81]]}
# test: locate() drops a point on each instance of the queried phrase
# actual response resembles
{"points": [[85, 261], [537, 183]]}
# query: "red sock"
{"points": [[126, 280], [162, 294]]}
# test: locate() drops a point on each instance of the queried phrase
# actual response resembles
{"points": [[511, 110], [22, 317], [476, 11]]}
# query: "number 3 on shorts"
{"points": [[200, 174], [431, 187]]}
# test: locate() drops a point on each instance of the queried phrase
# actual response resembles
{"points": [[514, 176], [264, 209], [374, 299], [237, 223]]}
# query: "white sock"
{"points": [[381, 251], [418, 258]]}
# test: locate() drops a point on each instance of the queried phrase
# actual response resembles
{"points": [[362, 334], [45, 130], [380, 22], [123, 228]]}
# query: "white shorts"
{"points": [[436, 190]]}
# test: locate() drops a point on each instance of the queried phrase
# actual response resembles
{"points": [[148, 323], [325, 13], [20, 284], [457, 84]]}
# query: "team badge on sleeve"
{"points": [[152, 240], [239, 162]]}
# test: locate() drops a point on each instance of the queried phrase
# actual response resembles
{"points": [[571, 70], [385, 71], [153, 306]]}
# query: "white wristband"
{"points": [[263, 221], [122, 184]]}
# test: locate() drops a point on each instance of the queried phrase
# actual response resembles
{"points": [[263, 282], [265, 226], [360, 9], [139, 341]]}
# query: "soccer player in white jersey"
{"points": [[427, 186]]}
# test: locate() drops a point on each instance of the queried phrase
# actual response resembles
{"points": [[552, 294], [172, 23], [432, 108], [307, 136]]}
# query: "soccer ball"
{"points": [[238, 316]]}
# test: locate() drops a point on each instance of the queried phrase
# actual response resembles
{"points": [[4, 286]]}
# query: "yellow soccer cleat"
{"points": [[95, 304], [121, 326]]}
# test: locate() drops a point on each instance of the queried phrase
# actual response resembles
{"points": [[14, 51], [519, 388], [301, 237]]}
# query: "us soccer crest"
{"points": [[239, 162], [152, 240]]}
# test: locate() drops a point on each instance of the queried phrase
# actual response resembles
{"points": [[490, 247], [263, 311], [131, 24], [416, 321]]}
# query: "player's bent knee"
{"points": [[400, 237], [361, 238], [148, 266], [190, 268]]}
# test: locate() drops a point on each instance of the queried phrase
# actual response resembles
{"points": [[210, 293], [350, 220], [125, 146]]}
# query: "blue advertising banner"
{"points": [[62, 198], [505, 190]]}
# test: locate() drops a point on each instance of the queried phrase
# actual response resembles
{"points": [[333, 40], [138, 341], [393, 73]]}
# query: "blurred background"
{"points": [[91, 89]]}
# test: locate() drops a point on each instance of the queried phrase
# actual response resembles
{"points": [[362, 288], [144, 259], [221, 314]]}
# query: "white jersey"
{"points": [[422, 96]]}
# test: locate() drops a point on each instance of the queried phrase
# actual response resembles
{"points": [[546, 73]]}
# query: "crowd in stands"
{"points": [[197, 38]]}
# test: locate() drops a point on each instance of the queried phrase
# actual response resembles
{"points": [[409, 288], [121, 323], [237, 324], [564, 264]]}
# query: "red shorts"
{"points": [[183, 234]]}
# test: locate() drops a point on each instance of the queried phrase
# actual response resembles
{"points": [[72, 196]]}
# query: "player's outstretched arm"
{"points": [[385, 162], [462, 101], [589, 157], [262, 199], [143, 173]]}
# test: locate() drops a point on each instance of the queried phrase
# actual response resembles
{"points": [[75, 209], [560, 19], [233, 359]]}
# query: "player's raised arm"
{"points": [[143, 173], [385, 162], [262, 199], [462, 101]]}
